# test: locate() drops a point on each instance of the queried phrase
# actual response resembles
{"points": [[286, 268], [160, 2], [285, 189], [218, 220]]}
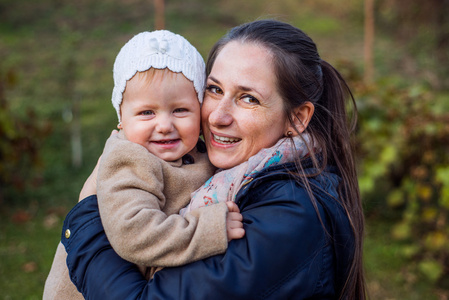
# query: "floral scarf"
{"points": [[225, 184]]}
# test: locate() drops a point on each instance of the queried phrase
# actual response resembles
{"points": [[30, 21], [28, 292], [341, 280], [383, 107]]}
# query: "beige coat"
{"points": [[139, 196]]}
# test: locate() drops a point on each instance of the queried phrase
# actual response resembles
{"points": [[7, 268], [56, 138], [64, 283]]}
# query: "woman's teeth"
{"points": [[225, 140]]}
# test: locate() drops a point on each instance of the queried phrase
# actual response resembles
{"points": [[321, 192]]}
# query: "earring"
{"points": [[119, 125], [289, 133]]}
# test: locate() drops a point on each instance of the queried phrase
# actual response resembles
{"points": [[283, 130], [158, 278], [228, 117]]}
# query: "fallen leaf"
{"points": [[50, 221], [29, 267], [21, 217]]}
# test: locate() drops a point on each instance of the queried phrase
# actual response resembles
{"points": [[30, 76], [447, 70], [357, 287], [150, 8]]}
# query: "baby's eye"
{"points": [[214, 89], [180, 110], [250, 99], [147, 113]]}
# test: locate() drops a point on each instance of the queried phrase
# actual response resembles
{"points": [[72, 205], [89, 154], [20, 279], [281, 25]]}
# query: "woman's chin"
{"points": [[224, 160]]}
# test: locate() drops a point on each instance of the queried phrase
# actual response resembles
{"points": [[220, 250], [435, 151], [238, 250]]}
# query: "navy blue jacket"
{"points": [[286, 253]]}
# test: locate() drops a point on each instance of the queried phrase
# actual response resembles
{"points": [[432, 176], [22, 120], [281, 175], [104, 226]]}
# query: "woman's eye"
{"points": [[214, 89], [147, 113], [250, 99]]}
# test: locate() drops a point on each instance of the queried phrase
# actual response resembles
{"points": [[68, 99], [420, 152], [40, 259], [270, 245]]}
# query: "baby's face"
{"points": [[160, 111]]}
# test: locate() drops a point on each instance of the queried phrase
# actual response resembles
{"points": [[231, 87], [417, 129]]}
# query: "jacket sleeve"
{"points": [[284, 255], [131, 203], [58, 284]]}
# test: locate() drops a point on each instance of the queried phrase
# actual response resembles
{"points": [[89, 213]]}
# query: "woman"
{"points": [[303, 219]]}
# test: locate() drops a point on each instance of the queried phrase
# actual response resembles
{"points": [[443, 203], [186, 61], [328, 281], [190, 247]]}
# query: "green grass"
{"points": [[26, 253]]}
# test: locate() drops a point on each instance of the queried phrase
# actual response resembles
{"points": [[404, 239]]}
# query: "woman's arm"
{"points": [[284, 254]]}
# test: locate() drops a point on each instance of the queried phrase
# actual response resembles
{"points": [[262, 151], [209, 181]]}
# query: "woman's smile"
{"points": [[225, 140]]}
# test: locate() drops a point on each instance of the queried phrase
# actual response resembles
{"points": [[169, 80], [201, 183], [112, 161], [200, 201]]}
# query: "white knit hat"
{"points": [[157, 49]]}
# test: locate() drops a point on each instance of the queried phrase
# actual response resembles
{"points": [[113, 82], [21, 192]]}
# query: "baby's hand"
{"points": [[234, 225]]}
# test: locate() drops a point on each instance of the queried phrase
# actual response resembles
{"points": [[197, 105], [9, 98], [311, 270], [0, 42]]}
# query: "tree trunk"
{"points": [[442, 46], [369, 42], [159, 8], [77, 148]]}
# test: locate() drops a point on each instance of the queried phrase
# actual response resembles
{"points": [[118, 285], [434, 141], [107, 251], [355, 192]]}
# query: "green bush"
{"points": [[20, 140], [403, 143]]}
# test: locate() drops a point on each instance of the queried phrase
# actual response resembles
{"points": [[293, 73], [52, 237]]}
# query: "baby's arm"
{"points": [[131, 201]]}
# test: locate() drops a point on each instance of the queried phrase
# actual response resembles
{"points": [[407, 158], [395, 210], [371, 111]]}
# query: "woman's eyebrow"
{"points": [[245, 89], [240, 87], [214, 79]]}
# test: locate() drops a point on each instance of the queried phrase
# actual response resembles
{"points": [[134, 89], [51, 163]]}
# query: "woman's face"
{"points": [[242, 110]]}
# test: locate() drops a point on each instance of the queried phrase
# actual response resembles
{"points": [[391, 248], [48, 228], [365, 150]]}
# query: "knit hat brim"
{"points": [[157, 49]]}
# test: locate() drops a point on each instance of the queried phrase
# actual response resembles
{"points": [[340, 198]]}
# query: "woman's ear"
{"points": [[301, 117]]}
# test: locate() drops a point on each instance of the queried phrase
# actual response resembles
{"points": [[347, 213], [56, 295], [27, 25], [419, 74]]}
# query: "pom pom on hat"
{"points": [[157, 49]]}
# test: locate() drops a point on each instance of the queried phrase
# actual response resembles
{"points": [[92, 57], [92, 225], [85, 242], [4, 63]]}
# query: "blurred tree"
{"points": [[423, 26], [69, 30], [404, 136], [70, 41], [20, 140], [369, 41], [403, 143]]}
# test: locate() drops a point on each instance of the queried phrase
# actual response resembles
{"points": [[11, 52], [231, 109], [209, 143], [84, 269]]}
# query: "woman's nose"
{"points": [[221, 113]]}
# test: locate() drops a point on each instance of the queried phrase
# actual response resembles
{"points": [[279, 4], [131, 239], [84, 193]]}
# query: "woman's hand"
{"points": [[234, 225], [90, 186]]}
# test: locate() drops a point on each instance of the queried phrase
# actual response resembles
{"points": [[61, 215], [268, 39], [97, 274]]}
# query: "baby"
{"points": [[149, 170]]}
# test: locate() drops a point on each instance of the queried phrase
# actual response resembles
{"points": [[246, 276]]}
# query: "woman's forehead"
{"points": [[246, 65]]}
